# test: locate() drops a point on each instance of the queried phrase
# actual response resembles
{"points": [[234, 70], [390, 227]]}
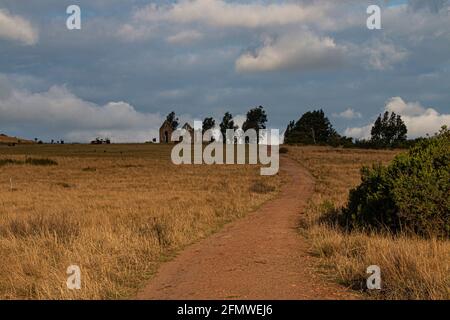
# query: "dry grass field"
{"points": [[411, 268], [117, 211]]}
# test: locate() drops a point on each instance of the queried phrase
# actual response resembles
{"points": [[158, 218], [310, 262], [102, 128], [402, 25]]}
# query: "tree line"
{"points": [[256, 119], [314, 128]]}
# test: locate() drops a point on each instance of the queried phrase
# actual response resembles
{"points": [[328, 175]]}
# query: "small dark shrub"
{"points": [[40, 162], [261, 187], [412, 194], [4, 162], [64, 185]]}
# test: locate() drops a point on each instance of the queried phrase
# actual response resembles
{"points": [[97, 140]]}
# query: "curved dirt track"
{"points": [[261, 256]]}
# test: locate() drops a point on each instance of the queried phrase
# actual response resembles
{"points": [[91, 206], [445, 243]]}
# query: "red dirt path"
{"points": [[261, 256]]}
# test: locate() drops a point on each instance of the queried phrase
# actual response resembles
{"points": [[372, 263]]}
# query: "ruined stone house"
{"points": [[166, 131]]}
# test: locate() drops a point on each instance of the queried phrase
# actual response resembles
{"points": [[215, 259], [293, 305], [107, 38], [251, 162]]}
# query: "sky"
{"points": [[134, 61]]}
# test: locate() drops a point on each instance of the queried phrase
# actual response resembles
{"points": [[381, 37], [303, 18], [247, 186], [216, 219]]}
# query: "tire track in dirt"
{"points": [[261, 256]]}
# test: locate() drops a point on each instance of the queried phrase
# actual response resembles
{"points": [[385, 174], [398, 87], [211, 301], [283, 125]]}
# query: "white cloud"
{"points": [[185, 37], [399, 106], [224, 14], [13, 27], [60, 112], [303, 51], [359, 132], [420, 121], [348, 114], [239, 120]]}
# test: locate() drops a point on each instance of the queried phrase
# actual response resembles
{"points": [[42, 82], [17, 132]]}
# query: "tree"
{"points": [[388, 130], [173, 120], [256, 120], [208, 124], [312, 128], [227, 124], [289, 130]]}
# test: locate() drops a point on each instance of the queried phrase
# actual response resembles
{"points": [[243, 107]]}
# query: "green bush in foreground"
{"points": [[412, 194]]}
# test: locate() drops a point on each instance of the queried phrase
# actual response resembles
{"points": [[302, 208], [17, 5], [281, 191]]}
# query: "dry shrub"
{"points": [[40, 162], [261, 187], [4, 162]]}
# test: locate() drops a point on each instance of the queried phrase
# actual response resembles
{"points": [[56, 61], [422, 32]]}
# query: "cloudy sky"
{"points": [[134, 61]]}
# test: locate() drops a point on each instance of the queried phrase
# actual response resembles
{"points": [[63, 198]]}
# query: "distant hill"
{"points": [[4, 139]]}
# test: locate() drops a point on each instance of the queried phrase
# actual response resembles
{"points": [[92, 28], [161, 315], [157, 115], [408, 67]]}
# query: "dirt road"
{"points": [[261, 256]]}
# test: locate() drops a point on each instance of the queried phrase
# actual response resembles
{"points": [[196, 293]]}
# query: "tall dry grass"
{"points": [[116, 211], [411, 268]]}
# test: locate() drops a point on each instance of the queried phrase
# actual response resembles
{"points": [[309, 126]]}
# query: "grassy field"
{"points": [[411, 268], [117, 211]]}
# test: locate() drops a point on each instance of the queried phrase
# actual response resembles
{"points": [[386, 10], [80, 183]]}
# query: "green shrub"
{"points": [[412, 194]]}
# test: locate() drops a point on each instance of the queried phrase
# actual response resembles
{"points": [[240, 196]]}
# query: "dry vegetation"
{"points": [[116, 211], [412, 268]]}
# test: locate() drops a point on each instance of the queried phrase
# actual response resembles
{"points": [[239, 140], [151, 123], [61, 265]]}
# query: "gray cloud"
{"points": [[320, 55], [432, 5]]}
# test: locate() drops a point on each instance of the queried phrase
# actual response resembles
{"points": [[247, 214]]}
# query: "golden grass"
{"points": [[411, 268], [116, 211]]}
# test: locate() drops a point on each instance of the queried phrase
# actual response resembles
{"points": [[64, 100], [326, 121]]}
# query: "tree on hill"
{"points": [[312, 128], [227, 124], [256, 119], [389, 130], [172, 119], [289, 129], [208, 124]]}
